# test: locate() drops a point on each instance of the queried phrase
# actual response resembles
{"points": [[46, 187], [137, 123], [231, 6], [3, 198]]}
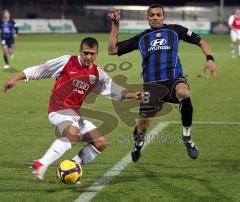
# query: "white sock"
{"points": [[57, 149], [86, 154], [186, 131], [77, 159], [233, 48]]}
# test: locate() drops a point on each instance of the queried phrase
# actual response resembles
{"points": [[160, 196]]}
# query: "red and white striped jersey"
{"points": [[73, 82], [234, 22]]}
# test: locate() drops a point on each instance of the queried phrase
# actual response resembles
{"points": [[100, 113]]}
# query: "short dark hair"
{"points": [[89, 41], [156, 6]]}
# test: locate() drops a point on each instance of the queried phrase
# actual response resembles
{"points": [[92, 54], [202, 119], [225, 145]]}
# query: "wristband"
{"points": [[210, 57]]}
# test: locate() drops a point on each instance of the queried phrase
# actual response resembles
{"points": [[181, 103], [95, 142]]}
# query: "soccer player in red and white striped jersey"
{"points": [[76, 77], [234, 24]]}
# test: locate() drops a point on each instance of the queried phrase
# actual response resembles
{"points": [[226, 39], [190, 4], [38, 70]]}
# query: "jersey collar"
{"points": [[154, 29]]}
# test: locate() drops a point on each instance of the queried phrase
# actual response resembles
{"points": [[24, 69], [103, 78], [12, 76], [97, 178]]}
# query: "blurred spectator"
{"points": [[8, 35], [234, 24]]}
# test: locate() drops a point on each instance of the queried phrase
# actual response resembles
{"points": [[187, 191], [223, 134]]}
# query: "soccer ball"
{"points": [[69, 172]]}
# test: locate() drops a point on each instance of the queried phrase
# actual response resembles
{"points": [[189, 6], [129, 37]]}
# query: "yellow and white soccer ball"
{"points": [[69, 172]]}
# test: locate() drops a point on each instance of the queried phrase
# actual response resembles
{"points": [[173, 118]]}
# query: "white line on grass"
{"points": [[91, 192]]}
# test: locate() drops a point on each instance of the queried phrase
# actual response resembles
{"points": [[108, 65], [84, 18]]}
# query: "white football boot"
{"points": [[6, 66], [38, 170]]}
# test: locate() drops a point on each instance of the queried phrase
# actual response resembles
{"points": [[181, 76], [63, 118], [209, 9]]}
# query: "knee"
{"points": [[184, 94], [72, 134], [182, 91], [100, 143]]}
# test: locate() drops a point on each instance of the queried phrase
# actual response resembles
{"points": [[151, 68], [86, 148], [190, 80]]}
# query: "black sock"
{"points": [[5, 59], [186, 110], [138, 138]]}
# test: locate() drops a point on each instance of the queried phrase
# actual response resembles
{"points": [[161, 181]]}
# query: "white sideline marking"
{"points": [[92, 191], [107, 177]]}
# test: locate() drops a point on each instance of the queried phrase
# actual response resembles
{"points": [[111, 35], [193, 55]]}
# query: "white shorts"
{"points": [[235, 35], [63, 118]]}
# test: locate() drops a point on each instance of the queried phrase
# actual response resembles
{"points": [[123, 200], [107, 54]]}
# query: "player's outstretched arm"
{"points": [[13, 81], [210, 65], [114, 15], [129, 95]]}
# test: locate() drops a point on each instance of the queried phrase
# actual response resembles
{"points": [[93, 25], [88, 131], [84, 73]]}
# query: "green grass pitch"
{"points": [[165, 172]]}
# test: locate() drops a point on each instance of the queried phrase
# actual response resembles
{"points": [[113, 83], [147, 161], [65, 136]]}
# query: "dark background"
{"points": [[95, 20], [127, 2], [163, 2]]}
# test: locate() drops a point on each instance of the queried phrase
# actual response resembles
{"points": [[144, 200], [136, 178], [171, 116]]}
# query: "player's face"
{"points": [[155, 17], [237, 12], [88, 55], [6, 15]]}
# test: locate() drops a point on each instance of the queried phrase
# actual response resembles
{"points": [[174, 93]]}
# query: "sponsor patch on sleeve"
{"points": [[189, 33]]}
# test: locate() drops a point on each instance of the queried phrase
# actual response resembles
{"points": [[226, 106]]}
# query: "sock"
{"points": [[86, 154], [5, 59], [77, 159], [186, 131], [139, 138], [239, 50], [232, 49], [186, 110], [57, 149]]}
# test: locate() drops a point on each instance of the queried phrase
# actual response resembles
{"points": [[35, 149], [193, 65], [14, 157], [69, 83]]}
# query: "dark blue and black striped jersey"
{"points": [[159, 50], [8, 29]]}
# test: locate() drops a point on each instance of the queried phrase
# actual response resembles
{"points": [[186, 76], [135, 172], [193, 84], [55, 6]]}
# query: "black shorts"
{"points": [[8, 42], [158, 93]]}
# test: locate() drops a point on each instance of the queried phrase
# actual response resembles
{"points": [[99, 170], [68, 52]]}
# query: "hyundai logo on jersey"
{"points": [[158, 44]]}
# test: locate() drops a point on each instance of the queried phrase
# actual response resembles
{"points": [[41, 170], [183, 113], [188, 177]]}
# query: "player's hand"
{"points": [[114, 15], [139, 95], [9, 84], [211, 68]]}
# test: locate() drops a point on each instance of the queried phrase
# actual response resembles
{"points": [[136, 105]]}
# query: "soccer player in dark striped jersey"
{"points": [[161, 67], [8, 35]]}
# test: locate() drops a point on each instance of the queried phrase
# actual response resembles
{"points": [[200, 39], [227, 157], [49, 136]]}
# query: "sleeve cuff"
{"points": [[27, 80]]}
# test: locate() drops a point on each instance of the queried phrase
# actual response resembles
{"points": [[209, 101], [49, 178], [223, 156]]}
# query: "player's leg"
{"points": [[139, 136], [95, 144], [67, 128], [68, 139], [238, 47], [186, 111], [233, 49], [238, 42], [56, 150], [11, 49], [233, 36], [150, 105], [5, 54], [11, 53], [94, 140]]}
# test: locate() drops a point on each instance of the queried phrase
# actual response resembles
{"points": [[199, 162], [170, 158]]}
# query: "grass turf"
{"points": [[164, 172]]}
